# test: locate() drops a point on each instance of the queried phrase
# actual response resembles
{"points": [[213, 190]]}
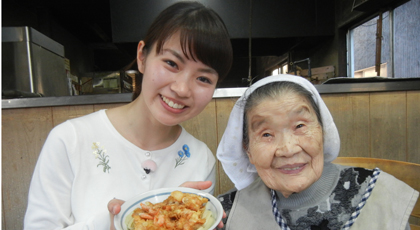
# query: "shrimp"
{"points": [[148, 207], [146, 216], [159, 220]]}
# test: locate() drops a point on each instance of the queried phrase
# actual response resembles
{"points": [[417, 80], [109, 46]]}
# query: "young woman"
{"points": [[121, 152]]}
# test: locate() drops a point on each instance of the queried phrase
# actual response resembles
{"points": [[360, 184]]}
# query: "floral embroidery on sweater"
{"points": [[183, 155], [100, 153]]}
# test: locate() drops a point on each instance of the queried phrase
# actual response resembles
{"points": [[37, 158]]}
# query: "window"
{"points": [[400, 48], [281, 69]]}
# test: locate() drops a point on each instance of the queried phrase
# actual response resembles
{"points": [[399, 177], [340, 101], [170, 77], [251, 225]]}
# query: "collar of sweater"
{"points": [[320, 190]]}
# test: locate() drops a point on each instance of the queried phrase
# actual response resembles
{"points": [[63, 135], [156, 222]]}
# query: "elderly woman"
{"points": [[277, 149]]}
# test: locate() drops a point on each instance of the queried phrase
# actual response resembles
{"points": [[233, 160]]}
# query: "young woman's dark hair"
{"points": [[203, 36]]}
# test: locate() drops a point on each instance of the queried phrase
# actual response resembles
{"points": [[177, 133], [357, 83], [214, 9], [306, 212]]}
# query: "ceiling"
{"points": [[90, 22]]}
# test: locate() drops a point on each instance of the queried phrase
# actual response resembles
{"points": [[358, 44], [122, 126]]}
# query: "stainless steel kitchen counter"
{"points": [[219, 93]]}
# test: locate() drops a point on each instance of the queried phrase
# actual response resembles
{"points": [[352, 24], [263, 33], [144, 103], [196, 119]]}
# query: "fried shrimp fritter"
{"points": [[180, 211]]}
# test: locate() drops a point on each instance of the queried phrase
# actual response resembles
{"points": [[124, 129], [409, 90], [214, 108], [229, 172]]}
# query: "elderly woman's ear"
{"points": [[246, 149], [249, 156]]}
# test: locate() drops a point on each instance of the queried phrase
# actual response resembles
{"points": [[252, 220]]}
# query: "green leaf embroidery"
{"points": [[100, 153]]}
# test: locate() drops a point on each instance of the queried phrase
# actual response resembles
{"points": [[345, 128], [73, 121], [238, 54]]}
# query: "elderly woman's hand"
{"points": [[114, 207], [201, 185]]}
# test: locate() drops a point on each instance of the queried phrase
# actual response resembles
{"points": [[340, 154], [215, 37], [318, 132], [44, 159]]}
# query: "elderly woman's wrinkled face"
{"points": [[285, 143]]}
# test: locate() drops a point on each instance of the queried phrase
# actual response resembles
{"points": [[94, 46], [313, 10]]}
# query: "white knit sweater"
{"points": [[85, 163]]}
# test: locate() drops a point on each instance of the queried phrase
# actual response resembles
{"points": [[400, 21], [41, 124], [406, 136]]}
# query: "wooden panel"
{"points": [[413, 127], [203, 127], [24, 132], [224, 107], [388, 119], [64, 113], [351, 116], [414, 227]]}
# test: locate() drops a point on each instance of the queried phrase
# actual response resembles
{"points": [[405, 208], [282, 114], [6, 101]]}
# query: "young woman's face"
{"points": [[285, 143], [174, 87]]}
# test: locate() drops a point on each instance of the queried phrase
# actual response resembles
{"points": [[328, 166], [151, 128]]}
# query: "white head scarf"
{"points": [[233, 157]]}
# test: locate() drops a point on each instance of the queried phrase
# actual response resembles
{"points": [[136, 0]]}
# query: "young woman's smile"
{"points": [[172, 105]]}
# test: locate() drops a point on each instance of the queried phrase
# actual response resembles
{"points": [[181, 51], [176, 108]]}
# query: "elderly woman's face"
{"points": [[285, 143]]}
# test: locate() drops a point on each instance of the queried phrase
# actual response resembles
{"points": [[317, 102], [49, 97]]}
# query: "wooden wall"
{"points": [[383, 125]]}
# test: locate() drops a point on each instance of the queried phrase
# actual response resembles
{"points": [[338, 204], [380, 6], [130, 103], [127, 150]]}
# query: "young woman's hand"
{"points": [[114, 207], [201, 185]]}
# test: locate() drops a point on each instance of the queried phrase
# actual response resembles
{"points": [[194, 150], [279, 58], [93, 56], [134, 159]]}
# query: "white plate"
{"points": [[159, 195]]}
